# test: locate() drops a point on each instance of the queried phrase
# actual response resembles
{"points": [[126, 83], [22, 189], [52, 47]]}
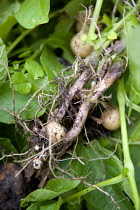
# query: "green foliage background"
{"points": [[34, 35]]}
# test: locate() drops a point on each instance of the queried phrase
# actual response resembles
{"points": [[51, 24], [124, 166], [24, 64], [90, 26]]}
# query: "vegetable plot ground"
{"points": [[69, 104]]}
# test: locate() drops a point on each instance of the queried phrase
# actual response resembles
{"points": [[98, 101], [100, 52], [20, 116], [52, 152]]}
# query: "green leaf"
{"points": [[3, 62], [106, 20], [35, 206], [21, 82], [6, 148], [50, 64], [7, 9], [98, 163], [6, 105], [25, 54], [112, 35], [131, 22], [59, 185], [73, 6], [54, 206], [134, 63], [61, 39], [6, 27], [135, 156], [134, 130], [46, 205], [51, 191], [17, 140], [7, 145], [65, 24], [135, 136], [23, 88], [41, 81], [35, 70], [33, 13]]}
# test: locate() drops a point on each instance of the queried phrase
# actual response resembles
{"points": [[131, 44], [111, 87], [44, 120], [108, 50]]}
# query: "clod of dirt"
{"points": [[55, 132], [12, 188], [111, 118]]}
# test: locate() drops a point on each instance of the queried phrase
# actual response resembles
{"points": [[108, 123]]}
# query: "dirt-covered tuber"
{"points": [[111, 118], [79, 48], [55, 131], [82, 21]]}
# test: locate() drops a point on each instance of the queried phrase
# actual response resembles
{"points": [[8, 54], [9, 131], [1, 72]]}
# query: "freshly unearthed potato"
{"points": [[37, 163], [82, 21], [79, 48], [111, 118], [55, 132]]}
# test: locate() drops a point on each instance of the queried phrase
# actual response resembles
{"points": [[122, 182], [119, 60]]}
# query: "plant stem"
{"points": [[120, 6], [106, 42], [111, 181], [129, 103], [13, 45], [95, 18], [127, 159], [38, 52]]}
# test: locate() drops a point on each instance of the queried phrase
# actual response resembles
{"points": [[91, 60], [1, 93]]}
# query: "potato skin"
{"points": [[55, 131], [79, 48], [82, 22], [111, 118]]}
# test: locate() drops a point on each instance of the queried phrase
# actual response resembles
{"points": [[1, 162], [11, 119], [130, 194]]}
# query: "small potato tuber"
{"points": [[37, 163], [79, 48], [82, 21], [55, 132], [111, 118]]}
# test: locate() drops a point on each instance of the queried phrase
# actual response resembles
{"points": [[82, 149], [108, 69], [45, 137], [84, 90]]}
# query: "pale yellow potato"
{"points": [[111, 118], [79, 48], [82, 21], [55, 131], [37, 163]]}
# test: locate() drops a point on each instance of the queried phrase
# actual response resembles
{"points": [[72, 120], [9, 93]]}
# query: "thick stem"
{"points": [[79, 121], [127, 159], [95, 18], [110, 77], [78, 85], [115, 72]]}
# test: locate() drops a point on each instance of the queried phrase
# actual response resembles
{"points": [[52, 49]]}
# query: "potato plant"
{"points": [[69, 108]]}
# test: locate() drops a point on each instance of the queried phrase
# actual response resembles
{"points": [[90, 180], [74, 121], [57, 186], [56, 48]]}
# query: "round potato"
{"points": [[55, 131], [79, 48], [111, 118]]}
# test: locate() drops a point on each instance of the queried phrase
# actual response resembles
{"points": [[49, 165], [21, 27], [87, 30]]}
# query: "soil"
{"points": [[12, 188]]}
